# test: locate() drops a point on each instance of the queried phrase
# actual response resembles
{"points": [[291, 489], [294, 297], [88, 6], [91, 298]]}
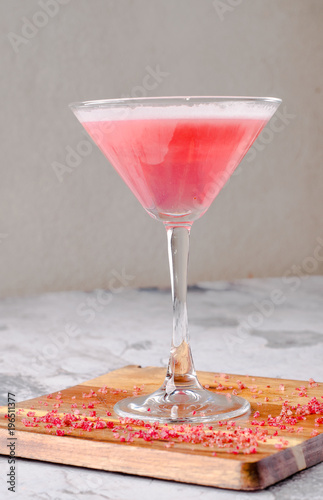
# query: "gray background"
{"points": [[76, 233]]}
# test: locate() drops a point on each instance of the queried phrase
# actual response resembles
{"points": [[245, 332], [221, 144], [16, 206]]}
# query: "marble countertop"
{"points": [[268, 327]]}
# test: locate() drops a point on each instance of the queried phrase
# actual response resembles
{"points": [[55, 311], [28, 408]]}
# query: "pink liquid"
{"points": [[175, 167]]}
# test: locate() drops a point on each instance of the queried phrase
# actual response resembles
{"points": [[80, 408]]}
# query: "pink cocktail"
{"points": [[175, 166], [176, 154]]}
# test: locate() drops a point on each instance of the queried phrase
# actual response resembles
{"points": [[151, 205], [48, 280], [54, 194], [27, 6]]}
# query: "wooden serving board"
{"points": [[178, 461]]}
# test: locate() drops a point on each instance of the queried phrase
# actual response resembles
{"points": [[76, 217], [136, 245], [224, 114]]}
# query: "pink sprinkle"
{"points": [[312, 383]]}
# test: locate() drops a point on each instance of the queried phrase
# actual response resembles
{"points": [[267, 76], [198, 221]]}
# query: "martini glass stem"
{"points": [[180, 372]]}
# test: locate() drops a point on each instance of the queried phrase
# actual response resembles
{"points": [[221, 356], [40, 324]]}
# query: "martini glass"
{"points": [[175, 154]]}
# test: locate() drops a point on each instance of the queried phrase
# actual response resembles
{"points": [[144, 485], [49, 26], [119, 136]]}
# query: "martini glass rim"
{"points": [[169, 100]]}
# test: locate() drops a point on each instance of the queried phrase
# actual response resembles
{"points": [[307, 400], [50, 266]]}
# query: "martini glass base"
{"points": [[182, 406]]}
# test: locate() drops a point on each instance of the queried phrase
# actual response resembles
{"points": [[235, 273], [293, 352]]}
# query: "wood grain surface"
{"points": [[182, 461]]}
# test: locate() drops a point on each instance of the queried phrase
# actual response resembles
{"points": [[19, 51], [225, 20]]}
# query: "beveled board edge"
{"points": [[181, 467]]}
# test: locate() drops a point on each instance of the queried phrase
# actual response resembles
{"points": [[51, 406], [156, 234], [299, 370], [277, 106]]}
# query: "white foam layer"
{"points": [[230, 109]]}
